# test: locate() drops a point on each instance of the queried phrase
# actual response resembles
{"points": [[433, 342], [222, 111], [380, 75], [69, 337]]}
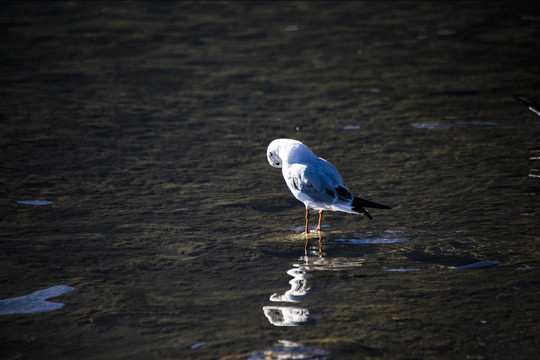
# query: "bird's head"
{"points": [[272, 154], [278, 149]]}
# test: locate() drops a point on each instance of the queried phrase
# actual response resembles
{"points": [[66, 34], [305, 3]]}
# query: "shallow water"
{"points": [[144, 126]]}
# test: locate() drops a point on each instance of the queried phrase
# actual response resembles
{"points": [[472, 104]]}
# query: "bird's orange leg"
{"points": [[320, 218], [307, 220]]}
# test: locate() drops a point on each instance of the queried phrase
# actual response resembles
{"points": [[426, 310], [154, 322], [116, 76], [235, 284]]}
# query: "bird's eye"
{"points": [[277, 164]]}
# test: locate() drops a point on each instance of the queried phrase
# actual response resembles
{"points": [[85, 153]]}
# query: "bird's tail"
{"points": [[359, 205]]}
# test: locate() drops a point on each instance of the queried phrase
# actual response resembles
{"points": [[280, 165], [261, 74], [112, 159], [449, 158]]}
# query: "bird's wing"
{"points": [[317, 182]]}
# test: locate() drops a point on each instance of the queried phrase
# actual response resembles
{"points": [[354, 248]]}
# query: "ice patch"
{"points": [[401, 270], [35, 202], [476, 265], [34, 302]]}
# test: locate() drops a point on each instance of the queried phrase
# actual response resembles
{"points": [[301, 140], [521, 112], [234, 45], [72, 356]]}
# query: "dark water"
{"points": [[146, 124]]}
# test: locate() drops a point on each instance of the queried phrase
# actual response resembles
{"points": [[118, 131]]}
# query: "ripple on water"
{"points": [[372, 241], [34, 302], [446, 126], [300, 229]]}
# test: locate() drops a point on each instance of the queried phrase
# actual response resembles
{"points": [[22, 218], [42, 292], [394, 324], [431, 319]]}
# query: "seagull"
{"points": [[314, 181]]}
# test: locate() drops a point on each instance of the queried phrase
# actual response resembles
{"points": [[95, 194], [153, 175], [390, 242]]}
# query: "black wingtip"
{"points": [[359, 205], [366, 213]]}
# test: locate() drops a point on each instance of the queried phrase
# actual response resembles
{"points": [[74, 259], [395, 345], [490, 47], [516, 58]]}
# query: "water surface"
{"points": [[145, 125]]}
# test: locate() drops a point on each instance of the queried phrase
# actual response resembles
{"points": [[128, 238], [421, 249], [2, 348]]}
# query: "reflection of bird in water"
{"points": [[314, 181], [301, 272], [533, 105], [534, 150], [299, 287], [286, 315], [285, 349]]}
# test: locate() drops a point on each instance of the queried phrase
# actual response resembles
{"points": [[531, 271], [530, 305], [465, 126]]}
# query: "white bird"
{"points": [[314, 181]]}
